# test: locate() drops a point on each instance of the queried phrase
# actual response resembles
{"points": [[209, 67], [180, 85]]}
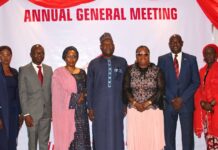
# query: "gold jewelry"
{"points": [[133, 103]]}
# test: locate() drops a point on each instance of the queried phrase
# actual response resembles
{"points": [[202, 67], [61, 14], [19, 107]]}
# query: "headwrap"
{"points": [[214, 46]]}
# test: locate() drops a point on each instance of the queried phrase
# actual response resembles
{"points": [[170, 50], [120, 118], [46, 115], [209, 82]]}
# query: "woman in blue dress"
{"points": [[10, 118]]}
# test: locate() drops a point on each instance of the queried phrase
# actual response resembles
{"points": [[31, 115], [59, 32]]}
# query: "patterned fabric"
{"points": [[211, 141], [81, 137], [144, 85], [109, 79]]}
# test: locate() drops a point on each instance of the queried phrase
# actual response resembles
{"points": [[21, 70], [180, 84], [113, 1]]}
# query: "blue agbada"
{"points": [[105, 97]]}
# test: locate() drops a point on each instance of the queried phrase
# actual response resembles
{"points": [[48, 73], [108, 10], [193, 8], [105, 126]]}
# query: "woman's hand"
{"points": [[81, 99], [206, 106], [146, 104], [138, 106]]}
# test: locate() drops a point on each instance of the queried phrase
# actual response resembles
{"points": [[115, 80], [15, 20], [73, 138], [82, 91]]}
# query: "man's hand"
{"points": [[177, 103], [1, 124], [91, 114], [28, 120]]}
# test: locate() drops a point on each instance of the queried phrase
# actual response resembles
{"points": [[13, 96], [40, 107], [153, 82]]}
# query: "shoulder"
{"points": [[82, 71], [203, 69], [154, 67], [130, 67], [121, 59], [25, 67], [14, 71], [216, 64], [189, 56], [95, 60], [164, 56], [47, 66], [59, 70]]}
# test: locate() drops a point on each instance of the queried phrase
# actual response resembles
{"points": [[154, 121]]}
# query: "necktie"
{"points": [[176, 65], [40, 76]]}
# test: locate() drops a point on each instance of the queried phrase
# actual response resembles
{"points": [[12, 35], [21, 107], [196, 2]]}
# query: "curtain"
{"points": [[59, 3], [210, 8], [2, 2]]}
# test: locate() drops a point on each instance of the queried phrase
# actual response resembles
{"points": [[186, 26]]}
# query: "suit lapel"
{"points": [[45, 75], [183, 66], [171, 65], [34, 75]]}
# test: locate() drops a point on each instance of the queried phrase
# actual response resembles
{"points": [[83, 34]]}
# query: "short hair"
{"points": [[35, 47], [177, 36], [67, 49], [3, 47], [142, 46]]}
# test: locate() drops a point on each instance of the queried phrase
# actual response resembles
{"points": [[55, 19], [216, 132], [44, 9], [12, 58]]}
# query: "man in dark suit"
{"points": [[182, 79], [35, 98]]}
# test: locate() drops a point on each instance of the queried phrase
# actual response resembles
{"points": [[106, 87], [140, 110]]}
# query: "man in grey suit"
{"points": [[35, 98]]}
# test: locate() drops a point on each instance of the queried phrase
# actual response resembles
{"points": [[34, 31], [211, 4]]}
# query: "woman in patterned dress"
{"points": [[144, 87], [206, 99], [74, 112]]}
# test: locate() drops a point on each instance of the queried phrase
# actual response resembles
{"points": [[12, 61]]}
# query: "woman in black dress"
{"points": [[13, 121]]}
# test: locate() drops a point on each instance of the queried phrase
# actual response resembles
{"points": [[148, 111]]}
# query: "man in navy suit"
{"points": [[182, 79]]}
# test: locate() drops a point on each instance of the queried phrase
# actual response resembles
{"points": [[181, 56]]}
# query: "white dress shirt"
{"points": [[36, 68]]}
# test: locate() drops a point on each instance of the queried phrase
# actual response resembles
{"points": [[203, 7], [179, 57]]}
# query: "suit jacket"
{"points": [[185, 86], [4, 103], [34, 98]]}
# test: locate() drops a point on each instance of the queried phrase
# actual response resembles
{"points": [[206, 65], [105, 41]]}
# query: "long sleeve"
{"points": [[22, 91], [15, 73], [127, 92], [90, 86], [195, 81], [161, 64], [157, 99]]}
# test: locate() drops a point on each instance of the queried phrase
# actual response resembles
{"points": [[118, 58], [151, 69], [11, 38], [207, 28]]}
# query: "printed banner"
{"points": [[57, 24]]}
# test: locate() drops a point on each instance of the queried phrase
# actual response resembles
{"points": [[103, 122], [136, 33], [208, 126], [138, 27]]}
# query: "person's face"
{"points": [[175, 44], [107, 47], [210, 55], [71, 58], [5, 57], [37, 55], [142, 57]]}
